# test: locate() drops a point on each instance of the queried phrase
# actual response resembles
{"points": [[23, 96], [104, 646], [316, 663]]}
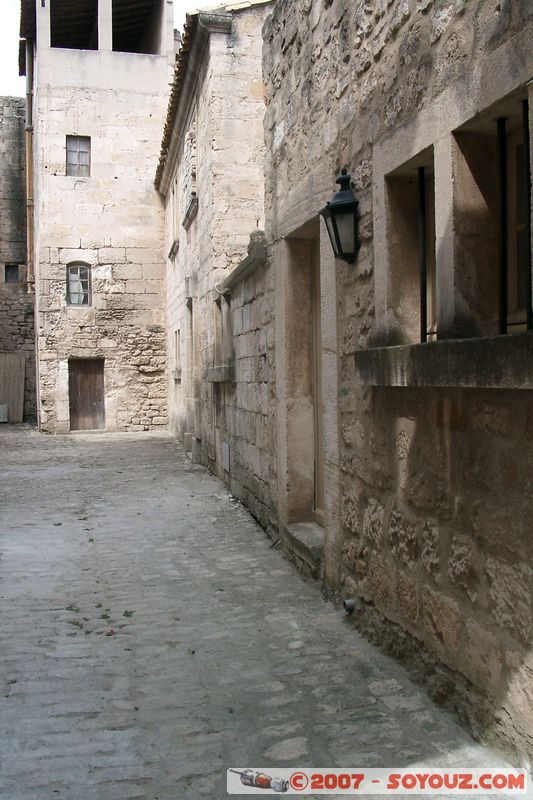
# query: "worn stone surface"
{"points": [[151, 638], [17, 333]]}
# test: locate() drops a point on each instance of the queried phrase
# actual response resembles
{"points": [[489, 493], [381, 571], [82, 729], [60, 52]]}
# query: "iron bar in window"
{"points": [[527, 178], [422, 230], [502, 170]]}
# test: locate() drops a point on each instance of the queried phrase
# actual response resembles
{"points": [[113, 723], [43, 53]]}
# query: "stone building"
{"points": [[210, 176], [404, 416], [17, 345], [100, 88]]}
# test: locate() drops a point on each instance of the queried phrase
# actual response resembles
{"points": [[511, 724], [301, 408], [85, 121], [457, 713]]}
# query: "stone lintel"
{"points": [[215, 22], [496, 362]]}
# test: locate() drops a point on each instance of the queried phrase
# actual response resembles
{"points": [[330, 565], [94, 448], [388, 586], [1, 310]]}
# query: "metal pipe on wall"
{"points": [[30, 276]]}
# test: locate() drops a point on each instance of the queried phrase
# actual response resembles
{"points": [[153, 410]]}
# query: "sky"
{"points": [[10, 83]]}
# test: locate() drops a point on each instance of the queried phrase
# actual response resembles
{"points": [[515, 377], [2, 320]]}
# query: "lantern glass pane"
{"points": [[346, 230], [329, 225]]}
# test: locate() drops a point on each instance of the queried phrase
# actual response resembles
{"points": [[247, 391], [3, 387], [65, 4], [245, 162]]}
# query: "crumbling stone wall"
{"points": [[16, 306], [435, 483]]}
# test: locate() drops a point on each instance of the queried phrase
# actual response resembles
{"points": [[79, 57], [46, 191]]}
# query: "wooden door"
{"points": [[86, 394], [12, 374]]}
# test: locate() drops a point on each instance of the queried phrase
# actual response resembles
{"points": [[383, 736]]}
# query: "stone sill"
{"points": [[496, 362], [224, 373]]}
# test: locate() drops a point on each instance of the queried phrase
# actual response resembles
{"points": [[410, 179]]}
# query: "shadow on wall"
{"points": [[442, 550]]}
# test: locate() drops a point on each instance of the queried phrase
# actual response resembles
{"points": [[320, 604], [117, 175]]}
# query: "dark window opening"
{"points": [[515, 316], [12, 273], [74, 25], [79, 156], [492, 242], [411, 246], [78, 285], [137, 28]]}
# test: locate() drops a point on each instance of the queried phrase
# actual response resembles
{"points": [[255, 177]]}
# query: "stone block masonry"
{"points": [[434, 480], [222, 388], [17, 333], [110, 221]]}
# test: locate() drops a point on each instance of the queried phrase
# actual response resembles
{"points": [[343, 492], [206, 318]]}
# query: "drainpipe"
{"points": [[30, 276], [30, 222]]}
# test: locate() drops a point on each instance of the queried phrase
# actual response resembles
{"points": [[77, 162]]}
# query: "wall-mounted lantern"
{"points": [[340, 216]]}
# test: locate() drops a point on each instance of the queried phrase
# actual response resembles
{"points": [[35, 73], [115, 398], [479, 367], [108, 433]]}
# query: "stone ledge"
{"points": [[257, 257], [224, 373], [496, 362], [306, 540]]}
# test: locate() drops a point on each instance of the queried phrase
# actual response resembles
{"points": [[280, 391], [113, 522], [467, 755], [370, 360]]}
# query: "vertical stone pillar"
{"points": [[530, 109], [331, 348], [43, 25], [105, 24], [444, 238]]}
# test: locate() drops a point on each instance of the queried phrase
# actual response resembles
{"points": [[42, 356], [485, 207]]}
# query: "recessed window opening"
{"points": [[410, 193], [11, 273], [515, 233], [137, 28], [78, 285], [492, 235], [74, 25], [177, 353], [79, 156], [223, 332]]}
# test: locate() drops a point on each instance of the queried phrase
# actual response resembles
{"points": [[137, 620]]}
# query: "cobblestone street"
{"points": [[151, 638]]}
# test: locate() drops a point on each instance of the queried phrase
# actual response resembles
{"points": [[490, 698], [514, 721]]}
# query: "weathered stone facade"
{"points": [[110, 221], [427, 495], [220, 340], [16, 306]]}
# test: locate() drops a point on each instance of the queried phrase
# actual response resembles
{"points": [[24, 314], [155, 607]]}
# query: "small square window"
{"points": [[12, 273], [79, 156], [78, 285]]}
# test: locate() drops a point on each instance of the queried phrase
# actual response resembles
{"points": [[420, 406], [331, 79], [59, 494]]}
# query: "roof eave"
{"points": [[198, 28]]}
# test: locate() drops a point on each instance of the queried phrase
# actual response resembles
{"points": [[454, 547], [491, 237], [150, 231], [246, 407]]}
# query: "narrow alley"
{"points": [[152, 637]]}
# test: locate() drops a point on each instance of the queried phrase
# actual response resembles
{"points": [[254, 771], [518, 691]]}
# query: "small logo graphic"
{"points": [[259, 780], [299, 781]]}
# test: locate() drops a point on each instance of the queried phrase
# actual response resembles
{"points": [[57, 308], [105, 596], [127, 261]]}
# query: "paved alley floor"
{"points": [[151, 637]]}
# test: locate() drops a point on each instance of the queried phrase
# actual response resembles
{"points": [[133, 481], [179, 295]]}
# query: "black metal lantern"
{"points": [[340, 216]]}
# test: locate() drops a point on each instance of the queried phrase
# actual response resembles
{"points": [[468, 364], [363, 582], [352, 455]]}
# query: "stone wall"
{"points": [[111, 221], [246, 416], [431, 529], [220, 399], [16, 306]]}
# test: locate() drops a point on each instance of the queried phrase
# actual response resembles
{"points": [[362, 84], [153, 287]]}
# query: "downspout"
{"points": [[30, 221], [30, 273]]}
